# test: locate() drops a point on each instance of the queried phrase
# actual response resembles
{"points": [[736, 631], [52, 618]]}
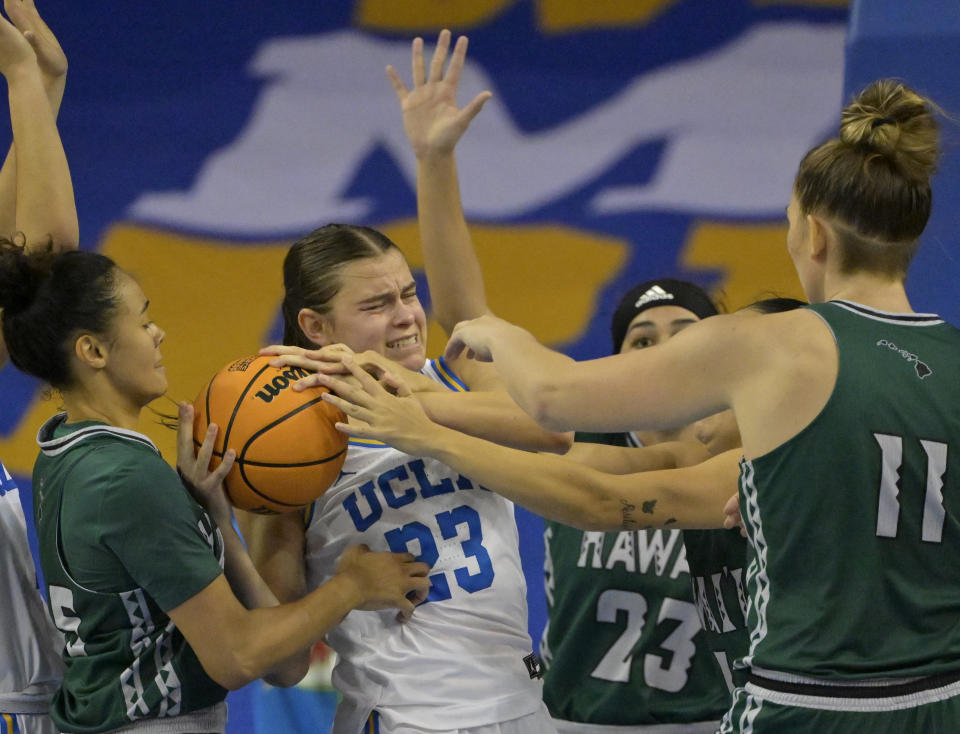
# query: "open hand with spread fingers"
{"points": [[431, 118]]}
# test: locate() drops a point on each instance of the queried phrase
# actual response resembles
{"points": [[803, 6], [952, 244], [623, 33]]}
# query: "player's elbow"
{"points": [[556, 442], [234, 664], [290, 672], [237, 669], [231, 673], [58, 239], [544, 404], [64, 235]]}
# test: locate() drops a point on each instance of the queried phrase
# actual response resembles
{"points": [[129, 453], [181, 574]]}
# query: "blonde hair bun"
{"points": [[897, 123]]}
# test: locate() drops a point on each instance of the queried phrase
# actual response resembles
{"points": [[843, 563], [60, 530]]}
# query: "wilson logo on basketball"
{"points": [[275, 470], [270, 390]]}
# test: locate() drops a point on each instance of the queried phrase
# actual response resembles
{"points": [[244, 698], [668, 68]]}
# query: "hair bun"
{"points": [[21, 275], [897, 123]]}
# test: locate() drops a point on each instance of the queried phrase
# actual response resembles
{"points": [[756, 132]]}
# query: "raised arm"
{"points": [[552, 486], [36, 192], [434, 124]]}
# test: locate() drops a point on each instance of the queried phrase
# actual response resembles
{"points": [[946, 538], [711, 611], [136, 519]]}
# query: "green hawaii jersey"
{"points": [[623, 643], [121, 541], [855, 521], [718, 563]]}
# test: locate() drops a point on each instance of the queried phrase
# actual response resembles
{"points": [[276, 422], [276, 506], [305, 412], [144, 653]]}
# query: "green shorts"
{"points": [[931, 709]]}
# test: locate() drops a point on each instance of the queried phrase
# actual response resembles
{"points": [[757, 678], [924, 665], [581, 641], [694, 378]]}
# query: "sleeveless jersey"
{"points": [[855, 521], [718, 562], [30, 665], [458, 663], [623, 643], [121, 541]]}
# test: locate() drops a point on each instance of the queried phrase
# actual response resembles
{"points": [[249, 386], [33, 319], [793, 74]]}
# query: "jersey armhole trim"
{"points": [[448, 377]]}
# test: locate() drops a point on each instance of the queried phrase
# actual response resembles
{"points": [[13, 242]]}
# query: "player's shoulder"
{"points": [[111, 462], [759, 334], [124, 456]]}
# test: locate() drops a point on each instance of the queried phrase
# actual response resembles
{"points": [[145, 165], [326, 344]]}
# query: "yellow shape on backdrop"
{"points": [[423, 15], [753, 259], [554, 16], [558, 16], [217, 301]]}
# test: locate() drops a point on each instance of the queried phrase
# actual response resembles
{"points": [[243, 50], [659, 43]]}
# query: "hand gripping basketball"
{"points": [[288, 450]]}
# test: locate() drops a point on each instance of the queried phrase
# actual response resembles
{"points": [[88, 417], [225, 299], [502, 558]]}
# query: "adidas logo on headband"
{"points": [[656, 293]]}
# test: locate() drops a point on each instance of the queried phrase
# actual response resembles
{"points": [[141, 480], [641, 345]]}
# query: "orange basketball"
{"points": [[288, 451]]}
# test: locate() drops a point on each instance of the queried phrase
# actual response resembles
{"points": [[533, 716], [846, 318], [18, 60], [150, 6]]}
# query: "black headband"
{"points": [[660, 292]]}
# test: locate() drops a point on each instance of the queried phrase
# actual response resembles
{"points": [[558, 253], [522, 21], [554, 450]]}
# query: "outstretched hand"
{"points": [[194, 466], [431, 118]]}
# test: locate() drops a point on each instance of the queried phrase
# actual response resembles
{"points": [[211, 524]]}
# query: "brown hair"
{"points": [[873, 181], [311, 271], [48, 299]]}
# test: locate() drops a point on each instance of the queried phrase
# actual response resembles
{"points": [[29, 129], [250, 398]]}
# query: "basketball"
{"points": [[288, 450]]}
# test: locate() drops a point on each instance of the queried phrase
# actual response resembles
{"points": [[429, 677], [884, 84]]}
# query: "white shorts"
{"points": [[539, 722]]}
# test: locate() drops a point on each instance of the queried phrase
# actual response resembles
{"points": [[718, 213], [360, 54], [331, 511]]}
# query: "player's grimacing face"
{"points": [[133, 363], [377, 308]]}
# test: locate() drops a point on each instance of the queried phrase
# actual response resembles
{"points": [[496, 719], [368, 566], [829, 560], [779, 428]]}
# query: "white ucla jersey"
{"points": [[459, 661], [30, 664]]}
